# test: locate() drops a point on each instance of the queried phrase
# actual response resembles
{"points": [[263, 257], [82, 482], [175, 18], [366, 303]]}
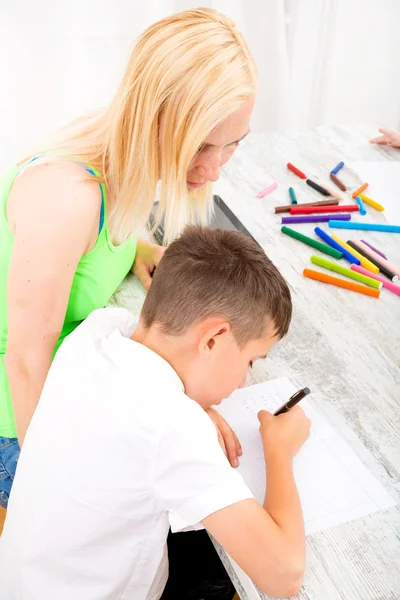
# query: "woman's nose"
{"points": [[209, 168]]}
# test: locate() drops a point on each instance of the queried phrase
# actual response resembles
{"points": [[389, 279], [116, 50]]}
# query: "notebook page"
{"points": [[334, 485], [383, 185]]}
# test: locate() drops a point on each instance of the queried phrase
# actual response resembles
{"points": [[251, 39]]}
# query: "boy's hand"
{"points": [[226, 436], [388, 137], [147, 257], [284, 434]]}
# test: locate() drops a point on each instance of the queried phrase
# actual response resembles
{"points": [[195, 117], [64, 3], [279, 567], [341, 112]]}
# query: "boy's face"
{"points": [[221, 366]]}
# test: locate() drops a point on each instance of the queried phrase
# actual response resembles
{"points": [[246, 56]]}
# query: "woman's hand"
{"points": [[226, 437], [388, 137], [147, 258]]}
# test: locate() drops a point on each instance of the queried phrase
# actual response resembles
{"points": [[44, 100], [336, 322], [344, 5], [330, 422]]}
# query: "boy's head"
{"points": [[216, 304]]}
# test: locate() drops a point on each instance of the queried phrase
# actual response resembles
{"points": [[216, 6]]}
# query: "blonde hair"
{"points": [[195, 69]]}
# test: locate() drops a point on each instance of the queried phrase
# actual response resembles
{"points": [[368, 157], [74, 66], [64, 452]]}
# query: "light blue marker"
{"points": [[365, 226], [333, 243], [360, 203], [292, 195], [337, 168]]}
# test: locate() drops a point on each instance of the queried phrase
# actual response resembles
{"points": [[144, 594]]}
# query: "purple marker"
{"points": [[316, 218], [374, 249]]}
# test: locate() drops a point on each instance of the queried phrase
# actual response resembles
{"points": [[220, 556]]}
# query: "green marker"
{"points": [[292, 196], [311, 242], [327, 264]]}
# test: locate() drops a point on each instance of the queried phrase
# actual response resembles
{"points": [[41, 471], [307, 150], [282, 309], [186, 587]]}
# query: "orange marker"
{"points": [[359, 190], [349, 285]]}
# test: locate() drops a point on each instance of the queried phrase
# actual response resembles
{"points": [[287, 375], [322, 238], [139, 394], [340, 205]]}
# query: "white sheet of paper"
{"points": [[334, 485], [383, 180]]}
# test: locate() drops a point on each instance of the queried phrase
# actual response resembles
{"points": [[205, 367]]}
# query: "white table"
{"points": [[344, 346]]}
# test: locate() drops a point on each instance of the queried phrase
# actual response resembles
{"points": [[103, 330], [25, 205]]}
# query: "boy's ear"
{"points": [[215, 337]]}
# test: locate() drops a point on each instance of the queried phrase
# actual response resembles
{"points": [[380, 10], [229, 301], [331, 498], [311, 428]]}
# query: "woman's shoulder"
{"points": [[58, 191], [56, 175]]}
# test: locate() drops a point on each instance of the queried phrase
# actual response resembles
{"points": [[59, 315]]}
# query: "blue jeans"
{"points": [[9, 453]]}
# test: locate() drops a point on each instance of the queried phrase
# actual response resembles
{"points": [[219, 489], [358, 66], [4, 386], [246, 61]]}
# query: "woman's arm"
{"points": [[54, 219]]}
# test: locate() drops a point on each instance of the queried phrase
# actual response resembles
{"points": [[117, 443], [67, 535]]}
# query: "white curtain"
{"points": [[320, 61], [344, 58]]}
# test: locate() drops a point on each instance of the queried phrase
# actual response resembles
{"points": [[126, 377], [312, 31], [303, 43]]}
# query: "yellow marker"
{"points": [[367, 264], [371, 202]]}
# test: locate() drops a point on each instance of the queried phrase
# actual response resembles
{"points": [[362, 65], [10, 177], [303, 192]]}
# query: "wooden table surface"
{"points": [[344, 346]]}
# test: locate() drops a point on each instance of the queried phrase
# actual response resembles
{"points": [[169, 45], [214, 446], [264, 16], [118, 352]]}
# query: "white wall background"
{"points": [[320, 61]]}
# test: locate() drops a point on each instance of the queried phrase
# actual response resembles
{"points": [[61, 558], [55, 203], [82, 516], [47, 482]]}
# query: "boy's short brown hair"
{"points": [[215, 272]]}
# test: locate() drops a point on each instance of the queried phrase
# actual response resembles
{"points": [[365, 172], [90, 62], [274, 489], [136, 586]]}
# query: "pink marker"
{"points": [[385, 263], [374, 249], [267, 190], [386, 283]]}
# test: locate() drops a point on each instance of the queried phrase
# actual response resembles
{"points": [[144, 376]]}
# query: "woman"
{"points": [[71, 211]]}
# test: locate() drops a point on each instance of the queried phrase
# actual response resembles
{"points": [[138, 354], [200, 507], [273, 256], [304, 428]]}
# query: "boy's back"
{"points": [[118, 448]]}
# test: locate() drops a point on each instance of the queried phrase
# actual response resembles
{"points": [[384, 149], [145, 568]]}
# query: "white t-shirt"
{"points": [[115, 455]]}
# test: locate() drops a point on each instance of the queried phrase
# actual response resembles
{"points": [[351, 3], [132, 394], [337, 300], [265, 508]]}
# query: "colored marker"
{"points": [[332, 192], [392, 270], [317, 187], [287, 207], [387, 272], [267, 190], [374, 249], [329, 240], [349, 285], [337, 168], [360, 203], [337, 182], [339, 224], [311, 242], [371, 202], [296, 171], [331, 266], [385, 282], [306, 210], [359, 190], [292, 195], [367, 264], [315, 218]]}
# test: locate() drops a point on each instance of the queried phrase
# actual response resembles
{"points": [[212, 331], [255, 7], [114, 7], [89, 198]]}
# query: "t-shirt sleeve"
{"points": [[193, 477]]}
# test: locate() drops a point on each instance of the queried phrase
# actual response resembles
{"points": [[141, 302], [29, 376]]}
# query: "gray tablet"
{"points": [[223, 218]]}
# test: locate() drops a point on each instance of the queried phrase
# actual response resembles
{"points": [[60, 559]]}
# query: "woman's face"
{"points": [[218, 148]]}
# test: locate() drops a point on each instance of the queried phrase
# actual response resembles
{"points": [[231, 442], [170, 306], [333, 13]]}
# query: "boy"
{"points": [[120, 448]]}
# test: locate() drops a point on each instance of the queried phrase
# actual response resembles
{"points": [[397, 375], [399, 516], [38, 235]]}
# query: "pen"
{"points": [[295, 399]]}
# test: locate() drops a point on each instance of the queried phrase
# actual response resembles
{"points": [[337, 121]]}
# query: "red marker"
{"points": [[306, 210], [296, 171]]}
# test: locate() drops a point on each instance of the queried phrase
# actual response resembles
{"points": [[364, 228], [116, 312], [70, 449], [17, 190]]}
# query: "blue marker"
{"points": [[333, 243], [365, 226], [360, 203], [337, 168]]}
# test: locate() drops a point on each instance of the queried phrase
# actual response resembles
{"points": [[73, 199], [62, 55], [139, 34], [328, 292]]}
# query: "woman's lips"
{"points": [[195, 185]]}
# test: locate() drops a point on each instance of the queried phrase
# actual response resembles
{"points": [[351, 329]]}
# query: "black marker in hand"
{"points": [[295, 399]]}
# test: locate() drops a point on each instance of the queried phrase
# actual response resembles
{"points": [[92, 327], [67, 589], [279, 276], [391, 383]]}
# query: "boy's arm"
{"points": [[268, 542]]}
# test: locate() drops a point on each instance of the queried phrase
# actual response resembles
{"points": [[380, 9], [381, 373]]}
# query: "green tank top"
{"points": [[98, 275]]}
